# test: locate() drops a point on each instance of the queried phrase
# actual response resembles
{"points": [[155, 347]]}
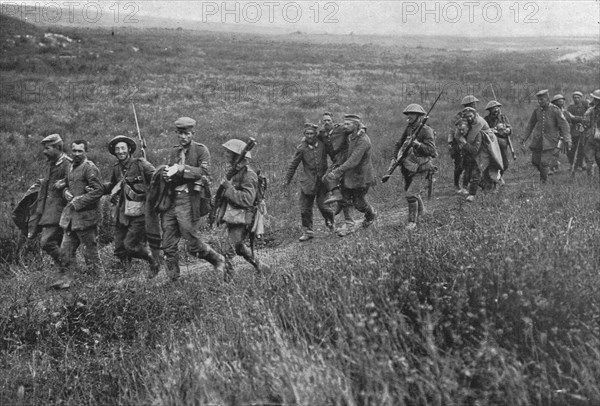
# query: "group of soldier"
{"points": [[552, 128], [154, 207]]}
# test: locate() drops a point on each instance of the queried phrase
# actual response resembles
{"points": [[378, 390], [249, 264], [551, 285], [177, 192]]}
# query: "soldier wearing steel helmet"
{"points": [[188, 174], [455, 150], [591, 121], [128, 184], [417, 162], [239, 196], [547, 125], [500, 125], [576, 112]]}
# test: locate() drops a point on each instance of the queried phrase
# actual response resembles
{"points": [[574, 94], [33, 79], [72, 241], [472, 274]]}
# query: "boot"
{"points": [[216, 260], [154, 267], [173, 269], [333, 196]]}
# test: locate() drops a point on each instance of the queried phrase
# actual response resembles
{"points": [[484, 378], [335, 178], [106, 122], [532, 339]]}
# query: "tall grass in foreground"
{"points": [[495, 303]]}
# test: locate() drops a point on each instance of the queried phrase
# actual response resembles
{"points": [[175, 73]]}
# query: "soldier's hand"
{"points": [[59, 184], [68, 195], [180, 168], [226, 184], [114, 199]]}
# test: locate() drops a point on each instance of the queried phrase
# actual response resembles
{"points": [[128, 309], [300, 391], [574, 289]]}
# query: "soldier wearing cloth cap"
{"points": [[576, 113], [417, 163], [500, 125], [188, 175], [312, 153], [548, 125], [356, 171], [335, 139], [238, 199], [128, 185], [455, 150], [80, 216], [591, 121], [50, 201], [559, 101]]}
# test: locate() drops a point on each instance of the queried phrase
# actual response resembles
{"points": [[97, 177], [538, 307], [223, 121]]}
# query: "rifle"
{"points": [[575, 155], [407, 144], [230, 174], [510, 146], [142, 141]]}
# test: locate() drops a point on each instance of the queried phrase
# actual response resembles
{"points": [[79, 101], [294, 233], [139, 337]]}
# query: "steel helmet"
{"points": [[469, 99], [414, 108], [236, 146], [492, 104], [596, 94]]}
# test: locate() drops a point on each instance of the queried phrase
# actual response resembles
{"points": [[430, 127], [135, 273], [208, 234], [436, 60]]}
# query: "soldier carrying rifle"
{"points": [[418, 140]]}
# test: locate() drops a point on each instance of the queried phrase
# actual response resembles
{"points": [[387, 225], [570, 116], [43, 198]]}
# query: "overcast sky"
{"points": [[471, 18]]}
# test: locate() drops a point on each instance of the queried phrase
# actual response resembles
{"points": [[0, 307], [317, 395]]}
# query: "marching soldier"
{"points": [[356, 171], [80, 217], [417, 164], [559, 101], [239, 197], [576, 113], [188, 175], [500, 125], [50, 201], [312, 154], [548, 125], [455, 150], [128, 185], [591, 121]]}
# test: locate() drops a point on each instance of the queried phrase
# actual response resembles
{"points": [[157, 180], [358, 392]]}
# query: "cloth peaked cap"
{"points": [[185, 123], [557, 97], [52, 139], [121, 138], [236, 146]]}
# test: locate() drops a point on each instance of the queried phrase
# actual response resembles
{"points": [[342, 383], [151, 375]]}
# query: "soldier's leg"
{"points": [[120, 251], [504, 153], [547, 159], [474, 173], [590, 154], [306, 215], [90, 250], [190, 230], [135, 244], [360, 203], [536, 160], [68, 248], [51, 238], [413, 187], [571, 153], [170, 242]]}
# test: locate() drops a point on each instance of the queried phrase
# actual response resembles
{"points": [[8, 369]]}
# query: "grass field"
{"points": [[493, 303]]}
